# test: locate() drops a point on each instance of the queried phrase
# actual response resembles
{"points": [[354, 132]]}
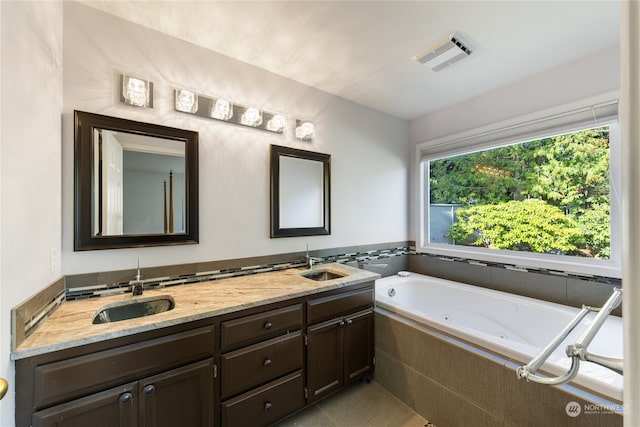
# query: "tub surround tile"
{"points": [[394, 376], [465, 272], [423, 264], [541, 286], [70, 325], [460, 386], [429, 397], [555, 286], [590, 292]]}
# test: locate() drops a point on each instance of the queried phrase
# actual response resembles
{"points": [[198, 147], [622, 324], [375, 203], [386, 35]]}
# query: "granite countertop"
{"points": [[71, 325]]}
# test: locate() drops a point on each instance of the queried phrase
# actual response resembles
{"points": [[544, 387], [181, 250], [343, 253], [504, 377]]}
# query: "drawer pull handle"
{"points": [[125, 398], [267, 406], [267, 363], [267, 325], [148, 390]]}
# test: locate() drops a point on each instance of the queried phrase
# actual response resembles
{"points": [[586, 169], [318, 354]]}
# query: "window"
{"points": [[539, 194]]}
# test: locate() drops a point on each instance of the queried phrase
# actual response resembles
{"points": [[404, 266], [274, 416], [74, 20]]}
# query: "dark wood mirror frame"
{"points": [[85, 123], [277, 152]]}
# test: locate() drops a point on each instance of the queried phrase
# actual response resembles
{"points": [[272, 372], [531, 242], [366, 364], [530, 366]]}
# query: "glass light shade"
{"points": [[136, 91], [186, 101], [277, 123], [251, 117], [221, 109], [304, 130]]}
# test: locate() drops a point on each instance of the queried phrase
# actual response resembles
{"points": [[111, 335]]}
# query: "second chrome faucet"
{"points": [[137, 285]]}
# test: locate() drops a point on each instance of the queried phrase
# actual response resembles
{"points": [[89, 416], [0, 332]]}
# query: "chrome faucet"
{"points": [[311, 259], [137, 285]]}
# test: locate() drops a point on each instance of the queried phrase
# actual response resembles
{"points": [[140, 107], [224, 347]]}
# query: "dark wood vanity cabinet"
{"points": [[339, 350], [163, 381]]}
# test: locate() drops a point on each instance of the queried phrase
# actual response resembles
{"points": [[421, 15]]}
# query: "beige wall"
{"points": [[30, 162]]}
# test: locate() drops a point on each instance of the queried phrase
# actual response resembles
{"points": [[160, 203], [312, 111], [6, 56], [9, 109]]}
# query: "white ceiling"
{"points": [[362, 50]]}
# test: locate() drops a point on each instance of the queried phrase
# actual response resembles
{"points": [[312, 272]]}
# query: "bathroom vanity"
{"points": [[242, 351]]}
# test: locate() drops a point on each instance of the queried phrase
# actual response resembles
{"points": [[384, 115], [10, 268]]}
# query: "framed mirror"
{"points": [[300, 192], [136, 184]]}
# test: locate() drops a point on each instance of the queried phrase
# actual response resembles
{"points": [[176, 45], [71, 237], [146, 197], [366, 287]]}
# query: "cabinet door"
{"points": [[114, 407], [325, 359], [180, 397], [358, 346]]}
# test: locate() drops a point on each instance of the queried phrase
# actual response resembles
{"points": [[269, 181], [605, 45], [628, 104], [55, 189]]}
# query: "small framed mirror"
{"points": [[300, 192], [136, 184]]}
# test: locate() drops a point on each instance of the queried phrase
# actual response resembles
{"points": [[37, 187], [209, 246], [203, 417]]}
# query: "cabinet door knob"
{"points": [[267, 325], [267, 363], [267, 406], [148, 390], [342, 323], [349, 321], [125, 398], [4, 387]]}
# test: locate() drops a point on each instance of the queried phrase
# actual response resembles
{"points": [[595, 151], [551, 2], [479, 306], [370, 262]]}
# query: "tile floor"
{"points": [[362, 405]]}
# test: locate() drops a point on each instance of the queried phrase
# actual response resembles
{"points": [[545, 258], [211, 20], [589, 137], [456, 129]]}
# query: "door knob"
{"points": [[4, 387]]}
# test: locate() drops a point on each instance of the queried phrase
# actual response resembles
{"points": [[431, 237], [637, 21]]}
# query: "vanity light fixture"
{"points": [[221, 109], [276, 123], [304, 130], [447, 51], [186, 101], [251, 117], [136, 91]]}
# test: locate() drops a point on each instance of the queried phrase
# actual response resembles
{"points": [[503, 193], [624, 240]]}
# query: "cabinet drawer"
{"points": [[267, 404], [259, 363], [251, 329], [335, 305], [80, 376]]}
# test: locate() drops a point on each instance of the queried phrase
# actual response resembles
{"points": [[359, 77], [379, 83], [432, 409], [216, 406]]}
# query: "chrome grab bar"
{"points": [[577, 351], [527, 372], [612, 363]]}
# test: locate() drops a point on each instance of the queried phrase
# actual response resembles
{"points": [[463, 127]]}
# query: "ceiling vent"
{"points": [[447, 51]]}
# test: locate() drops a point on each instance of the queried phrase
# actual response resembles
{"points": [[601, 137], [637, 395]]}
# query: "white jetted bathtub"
{"points": [[513, 326]]}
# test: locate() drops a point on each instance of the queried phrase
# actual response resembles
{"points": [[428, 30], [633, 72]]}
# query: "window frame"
{"points": [[452, 146]]}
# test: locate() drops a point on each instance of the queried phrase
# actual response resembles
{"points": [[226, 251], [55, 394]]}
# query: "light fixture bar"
{"points": [[187, 101]]}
